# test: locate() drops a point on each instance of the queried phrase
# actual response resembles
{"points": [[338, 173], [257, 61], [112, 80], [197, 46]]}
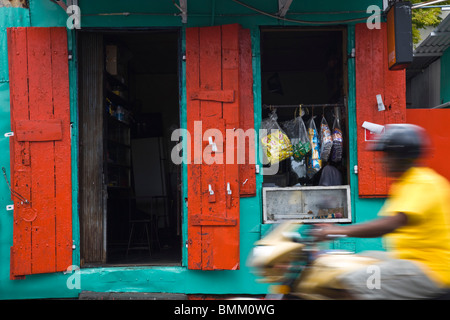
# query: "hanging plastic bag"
{"points": [[289, 128], [276, 144], [336, 151], [326, 142], [314, 161], [297, 133], [302, 145], [298, 167]]}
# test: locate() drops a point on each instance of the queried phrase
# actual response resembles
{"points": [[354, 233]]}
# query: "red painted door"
{"points": [[40, 151], [435, 122], [217, 91], [373, 78]]}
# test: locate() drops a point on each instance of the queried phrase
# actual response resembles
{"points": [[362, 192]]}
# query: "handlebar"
{"points": [[336, 236], [296, 237]]}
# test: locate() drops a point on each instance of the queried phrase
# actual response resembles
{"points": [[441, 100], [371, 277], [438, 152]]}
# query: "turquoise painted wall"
{"points": [[103, 13], [445, 76]]}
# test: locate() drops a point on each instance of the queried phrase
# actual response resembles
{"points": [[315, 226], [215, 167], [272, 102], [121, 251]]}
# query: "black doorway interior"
{"points": [[134, 106]]}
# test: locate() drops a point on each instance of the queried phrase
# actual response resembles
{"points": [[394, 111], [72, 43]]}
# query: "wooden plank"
{"points": [[194, 156], [63, 175], [214, 95], [210, 69], [211, 115], [378, 81], [247, 170], [20, 172], [198, 220], [395, 98], [38, 130], [43, 153], [91, 198], [227, 247]]}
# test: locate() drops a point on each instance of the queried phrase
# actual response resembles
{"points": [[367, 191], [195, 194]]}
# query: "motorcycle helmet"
{"points": [[402, 145], [402, 141]]}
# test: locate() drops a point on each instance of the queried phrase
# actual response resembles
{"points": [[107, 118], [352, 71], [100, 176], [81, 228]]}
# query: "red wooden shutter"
{"points": [[213, 82], [372, 78], [40, 151]]}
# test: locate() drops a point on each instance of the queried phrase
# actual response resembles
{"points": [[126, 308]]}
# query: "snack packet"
{"points": [[314, 161], [276, 143], [326, 140], [336, 151]]}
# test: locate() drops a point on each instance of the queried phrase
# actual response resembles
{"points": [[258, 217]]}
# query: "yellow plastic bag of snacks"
{"points": [[275, 142], [278, 146]]}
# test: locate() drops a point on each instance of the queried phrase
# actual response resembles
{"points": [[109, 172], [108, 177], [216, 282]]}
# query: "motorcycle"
{"points": [[297, 268]]}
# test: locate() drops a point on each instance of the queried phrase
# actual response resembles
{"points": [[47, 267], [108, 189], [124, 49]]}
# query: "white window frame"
{"points": [[301, 217]]}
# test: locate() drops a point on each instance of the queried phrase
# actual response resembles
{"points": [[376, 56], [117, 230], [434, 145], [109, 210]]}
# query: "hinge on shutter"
{"points": [[352, 54], [71, 129], [9, 134]]}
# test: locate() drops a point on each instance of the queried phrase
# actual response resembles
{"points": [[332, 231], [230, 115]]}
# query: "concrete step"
{"points": [[89, 295]]}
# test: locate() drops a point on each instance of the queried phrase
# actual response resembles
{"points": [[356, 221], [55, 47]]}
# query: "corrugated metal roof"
{"points": [[436, 42], [431, 48]]}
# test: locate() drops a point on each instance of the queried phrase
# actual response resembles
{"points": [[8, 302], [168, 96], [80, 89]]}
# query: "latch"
{"points": [[9, 134], [212, 196], [228, 188], [212, 144], [228, 195]]}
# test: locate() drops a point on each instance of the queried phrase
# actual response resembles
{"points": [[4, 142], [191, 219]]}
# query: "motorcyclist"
{"points": [[414, 221]]}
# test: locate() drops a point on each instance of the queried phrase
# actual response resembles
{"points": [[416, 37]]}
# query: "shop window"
{"points": [[304, 85]]}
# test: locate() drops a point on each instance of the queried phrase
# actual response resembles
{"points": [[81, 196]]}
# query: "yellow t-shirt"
{"points": [[424, 196]]}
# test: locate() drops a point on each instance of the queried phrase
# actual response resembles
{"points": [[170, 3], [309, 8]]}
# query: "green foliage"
{"points": [[422, 18]]}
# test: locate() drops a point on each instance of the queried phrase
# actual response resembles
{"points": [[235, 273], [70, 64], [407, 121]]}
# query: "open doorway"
{"points": [[128, 107], [304, 73]]}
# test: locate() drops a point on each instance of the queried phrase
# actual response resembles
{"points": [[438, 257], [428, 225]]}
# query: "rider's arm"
{"points": [[372, 229]]}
